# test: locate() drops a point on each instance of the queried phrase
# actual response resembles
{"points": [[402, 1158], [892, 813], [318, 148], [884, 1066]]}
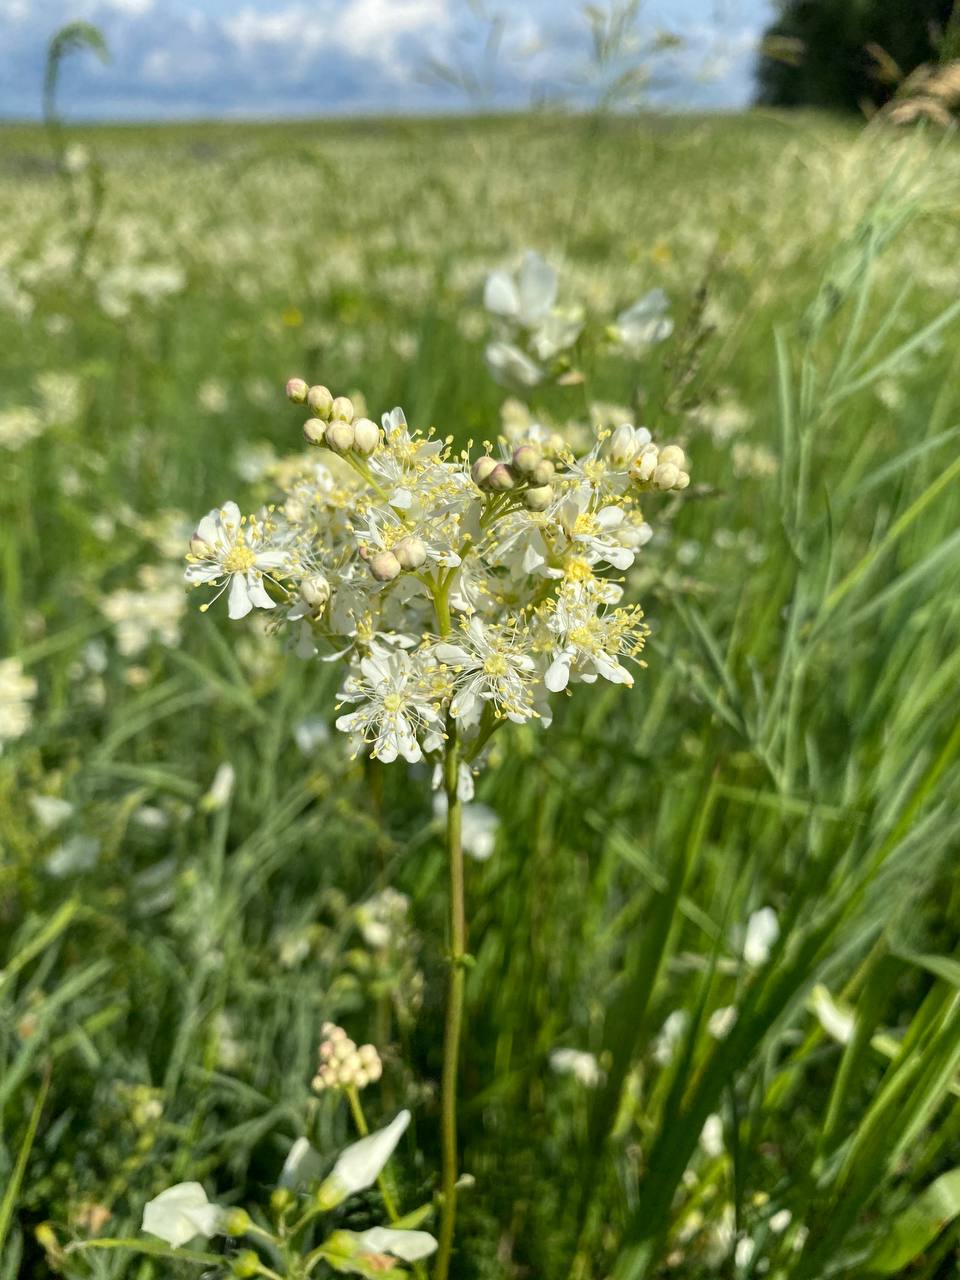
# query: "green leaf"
{"points": [[917, 1226]]}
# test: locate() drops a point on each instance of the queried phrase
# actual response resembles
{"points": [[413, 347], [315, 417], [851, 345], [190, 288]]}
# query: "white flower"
{"points": [[509, 366], [763, 930], [575, 1062], [221, 789], [836, 1021], [397, 702], [780, 1221], [489, 665], [16, 693], [711, 1136], [409, 1246], [645, 323], [182, 1212], [587, 643], [721, 1022], [50, 811], [360, 1164], [669, 1037], [479, 825], [558, 332], [227, 548], [527, 299], [594, 531], [301, 1166]]}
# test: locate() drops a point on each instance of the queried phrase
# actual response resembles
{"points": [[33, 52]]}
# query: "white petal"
{"points": [[558, 674], [463, 703], [359, 1166], [180, 1213], [409, 1246], [538, 288], [238, 601], [452, 655], [500, 294]]}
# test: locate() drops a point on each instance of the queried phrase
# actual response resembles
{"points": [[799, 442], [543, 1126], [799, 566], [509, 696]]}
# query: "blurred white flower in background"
{"points": [[17, 691], [575, 1062], [644, 324], [763, 930]]}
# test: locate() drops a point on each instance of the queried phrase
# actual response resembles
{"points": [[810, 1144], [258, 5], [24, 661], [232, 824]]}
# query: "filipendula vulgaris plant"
{"points": [[460, 594]]}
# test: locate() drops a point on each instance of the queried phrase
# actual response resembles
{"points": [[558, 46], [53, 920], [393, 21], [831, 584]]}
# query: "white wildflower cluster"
{"points": [[17, 691], [536, 334], [343, 1064], [462, 596]]}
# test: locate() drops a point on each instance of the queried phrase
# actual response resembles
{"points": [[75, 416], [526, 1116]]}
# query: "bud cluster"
{"points": [[344, 1065], [527, 473], [334, 423]]}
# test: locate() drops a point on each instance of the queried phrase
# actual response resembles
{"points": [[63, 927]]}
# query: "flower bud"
{"points": [[360, 1078], [281, 1199], [675, 455], [319, 401], [682, 480], [245, 1264], [385, 566], [339, 436], [501, 479], [315, 592], [623, 445], [297, 390], [200, 548], [543, 472], [646, 464], [343, 408], [236, 1222], [526, 459], [313, 430], [666, 475], [539, 498], [366, 436], [410, 552], [481, 469]]}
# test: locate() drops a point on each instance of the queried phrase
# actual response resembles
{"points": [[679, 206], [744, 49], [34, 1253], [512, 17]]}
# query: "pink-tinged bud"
{"points": [[538, 499], [319, 402], [297, 391], [314, 430], [315, 591], [674, 454], [481, 469], [543, 472], [666, 475], [200, 548], [339, 436], [343, 408], [411, 552], [502, 478], [385, 566], [682, 480], [526, 459], [366, 436]]}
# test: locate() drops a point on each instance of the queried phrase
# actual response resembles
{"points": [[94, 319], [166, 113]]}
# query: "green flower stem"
{"points": [[454, 1016]]}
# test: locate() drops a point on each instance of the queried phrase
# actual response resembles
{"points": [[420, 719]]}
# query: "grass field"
{"points": [[171, 945]]}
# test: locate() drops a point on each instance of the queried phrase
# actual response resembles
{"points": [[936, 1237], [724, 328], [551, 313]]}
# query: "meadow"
{"points": [[713, 995]]}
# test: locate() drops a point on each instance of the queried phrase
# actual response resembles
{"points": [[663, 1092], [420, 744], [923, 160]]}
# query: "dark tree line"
{"points": [[840, 54]]}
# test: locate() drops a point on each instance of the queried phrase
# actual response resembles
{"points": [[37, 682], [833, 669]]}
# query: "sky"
{"points": [[198, 59]]}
